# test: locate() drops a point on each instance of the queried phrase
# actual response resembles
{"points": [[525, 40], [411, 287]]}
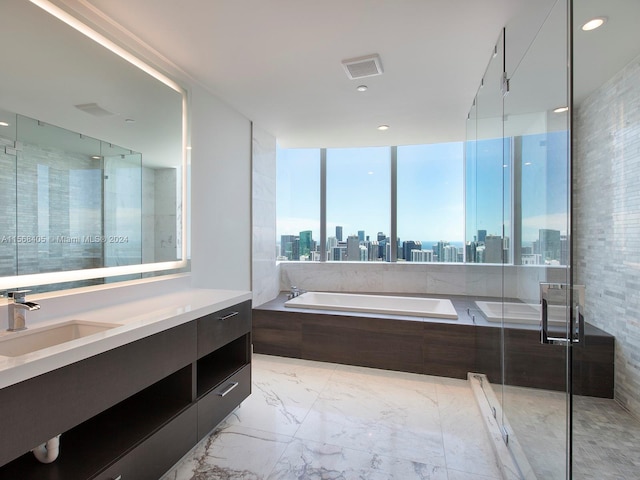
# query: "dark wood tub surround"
{"points": [[434, 347]]}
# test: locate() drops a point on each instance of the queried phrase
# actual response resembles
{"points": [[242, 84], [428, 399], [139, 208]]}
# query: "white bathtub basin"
{"points": [[14, 344], [527, 313], [390, 305]]}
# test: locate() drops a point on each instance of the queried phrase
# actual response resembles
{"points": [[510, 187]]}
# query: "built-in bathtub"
{"points": [[523, 313], [429, 345], [385, 304]]}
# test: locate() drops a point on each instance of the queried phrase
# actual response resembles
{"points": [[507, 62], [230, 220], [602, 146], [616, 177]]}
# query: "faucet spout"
{"points": [[18, 310]]}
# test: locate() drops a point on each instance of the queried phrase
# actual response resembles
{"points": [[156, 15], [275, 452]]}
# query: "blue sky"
{"points": [[430, 191]]}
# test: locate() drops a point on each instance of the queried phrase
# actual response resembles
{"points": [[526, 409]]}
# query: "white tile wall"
{"points": [[607, 219]]}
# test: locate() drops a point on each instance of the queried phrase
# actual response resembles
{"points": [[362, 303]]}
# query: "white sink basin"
{"points": [[18, 343]]}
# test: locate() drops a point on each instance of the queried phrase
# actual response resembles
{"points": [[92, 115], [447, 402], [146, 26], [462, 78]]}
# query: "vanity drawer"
{"points": [[219, 328], [222, 400], [158, 453]]}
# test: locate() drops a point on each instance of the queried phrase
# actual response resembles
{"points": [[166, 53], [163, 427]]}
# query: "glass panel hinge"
{"points": [[504, 87]]}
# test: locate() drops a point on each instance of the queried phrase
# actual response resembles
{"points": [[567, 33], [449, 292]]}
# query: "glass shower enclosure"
{"points": [[518, 215]]}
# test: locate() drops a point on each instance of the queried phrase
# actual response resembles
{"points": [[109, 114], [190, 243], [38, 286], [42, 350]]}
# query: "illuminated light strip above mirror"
{"points": [[78, 275], [105, 42]]}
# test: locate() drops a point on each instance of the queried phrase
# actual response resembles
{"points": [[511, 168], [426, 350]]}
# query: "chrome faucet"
{"points": [[18, 310], [295, 292]]}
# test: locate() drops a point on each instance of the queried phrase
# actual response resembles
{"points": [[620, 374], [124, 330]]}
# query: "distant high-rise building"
{"points": [[353, 248], [331, 242], [306, 243], [530, 259], [480, 253], [361, 235], [439, 251], [482, 235], [449, 254], [564, 250], [470, 252], [383, 252], [364, 253], [339, 253], [493, 249], [290, 247], [549, 244], [421, 256], [285, 245], [408, 246], [374, 251], [339, 233]]}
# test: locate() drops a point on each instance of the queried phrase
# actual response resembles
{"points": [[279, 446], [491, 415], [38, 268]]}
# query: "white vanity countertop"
{"points": [[137, 319]]}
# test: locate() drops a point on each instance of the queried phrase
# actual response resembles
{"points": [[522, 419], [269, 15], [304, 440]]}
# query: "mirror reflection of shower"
{"points": [[72, 202]]}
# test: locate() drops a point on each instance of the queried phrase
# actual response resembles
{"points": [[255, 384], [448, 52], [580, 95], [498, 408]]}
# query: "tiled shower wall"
{"points": [[607, 219], [59, 197], [70, 193]]}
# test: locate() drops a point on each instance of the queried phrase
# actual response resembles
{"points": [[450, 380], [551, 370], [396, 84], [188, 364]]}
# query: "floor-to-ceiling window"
{"points": [[298, 204], [430, 207], [358, 204]]}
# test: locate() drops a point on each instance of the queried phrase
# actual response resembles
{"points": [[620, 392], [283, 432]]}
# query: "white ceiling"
{"points": [[279, 61]]}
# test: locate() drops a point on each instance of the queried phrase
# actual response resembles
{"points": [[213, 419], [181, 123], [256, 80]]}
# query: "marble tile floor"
{"points": [[606, 437], [313, 420]]}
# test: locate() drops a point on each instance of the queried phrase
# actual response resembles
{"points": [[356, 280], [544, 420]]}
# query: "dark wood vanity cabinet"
{"points": [[132, 412]]}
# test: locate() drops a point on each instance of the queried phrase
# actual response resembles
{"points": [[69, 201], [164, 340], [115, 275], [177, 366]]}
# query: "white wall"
{"points": [[265, 283], [220, 194]]}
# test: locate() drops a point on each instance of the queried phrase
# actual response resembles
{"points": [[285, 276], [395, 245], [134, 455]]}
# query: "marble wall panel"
{"points": [[607, 219], [264, 282]]}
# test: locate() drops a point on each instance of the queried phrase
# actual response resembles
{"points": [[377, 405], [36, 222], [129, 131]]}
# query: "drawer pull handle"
{"points": [[227, 317], [230, 387], [119, 477]]}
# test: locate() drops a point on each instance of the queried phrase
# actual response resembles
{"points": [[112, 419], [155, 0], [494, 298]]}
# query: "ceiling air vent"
{"points": [[363, 66], [94, 109]]}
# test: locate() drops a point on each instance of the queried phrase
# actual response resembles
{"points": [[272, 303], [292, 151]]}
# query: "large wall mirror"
{"points": [[92, 156]]}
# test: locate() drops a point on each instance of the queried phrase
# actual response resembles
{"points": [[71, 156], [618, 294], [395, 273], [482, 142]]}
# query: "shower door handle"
{"points": [[544, 328], [574, 334], [577, 326]]}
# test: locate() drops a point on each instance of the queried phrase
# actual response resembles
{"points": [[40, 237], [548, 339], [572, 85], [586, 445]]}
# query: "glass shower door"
{"points": [[122, 237], [537, 318]]}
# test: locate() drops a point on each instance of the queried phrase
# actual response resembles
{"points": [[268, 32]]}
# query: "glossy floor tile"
{"points": [[606, 437], [313, 420]]}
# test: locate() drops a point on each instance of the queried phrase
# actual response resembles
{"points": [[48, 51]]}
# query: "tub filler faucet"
{"points": [[295, 292], [18, 310]]}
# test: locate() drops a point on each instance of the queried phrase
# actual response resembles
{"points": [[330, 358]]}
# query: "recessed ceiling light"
{"points": [[362, 88], [129, 120], [594, 23], [95, 157], [189, 147], [383, 127], [560, 109], [4, 124], [527, 163]]}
